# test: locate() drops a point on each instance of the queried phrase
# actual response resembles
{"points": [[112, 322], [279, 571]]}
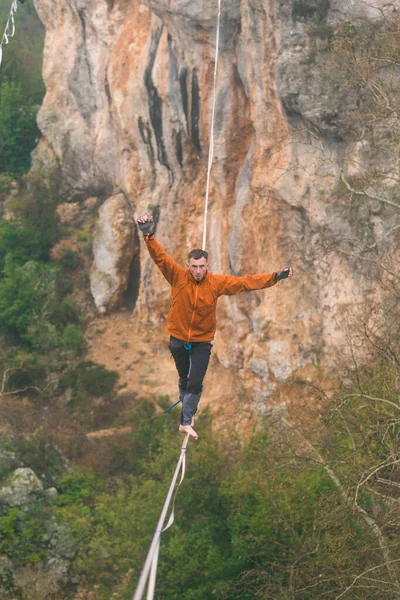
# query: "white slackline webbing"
{"points": [[211, 148], [9, 28], [149, 572]]}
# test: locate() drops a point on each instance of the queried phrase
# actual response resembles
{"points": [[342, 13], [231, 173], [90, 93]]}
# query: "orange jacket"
{"points": [[192, 316]]}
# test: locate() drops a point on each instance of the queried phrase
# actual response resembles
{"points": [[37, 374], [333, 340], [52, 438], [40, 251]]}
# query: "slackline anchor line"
{"points": [[9, 29], [211, 147], [149, 572]]}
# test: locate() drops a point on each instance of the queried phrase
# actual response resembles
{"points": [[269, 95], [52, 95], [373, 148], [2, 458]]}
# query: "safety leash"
{"points": [[172, 406]]}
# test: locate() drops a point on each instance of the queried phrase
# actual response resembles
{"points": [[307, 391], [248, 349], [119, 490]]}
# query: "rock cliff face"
{"points": [[127, 115]]}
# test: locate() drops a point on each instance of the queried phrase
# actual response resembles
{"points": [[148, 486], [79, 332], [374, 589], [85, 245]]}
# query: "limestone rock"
{"points": [[128, 105], [61, 541], [25, 491], [20, 488], [58, 569], [114, 244], [51, 494]]}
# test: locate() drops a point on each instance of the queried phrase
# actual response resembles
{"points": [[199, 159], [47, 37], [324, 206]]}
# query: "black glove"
{"points": [[282, 274], [146, 228]]}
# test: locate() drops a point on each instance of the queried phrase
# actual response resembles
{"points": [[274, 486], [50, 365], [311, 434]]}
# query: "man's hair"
{"points": [[197, 254]]}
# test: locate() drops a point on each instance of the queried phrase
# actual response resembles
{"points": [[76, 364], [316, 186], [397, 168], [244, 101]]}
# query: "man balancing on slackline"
{"points": [[191, 320]]}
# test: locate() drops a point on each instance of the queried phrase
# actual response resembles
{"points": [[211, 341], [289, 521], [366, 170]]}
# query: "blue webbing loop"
{"points": [[171, 407]]}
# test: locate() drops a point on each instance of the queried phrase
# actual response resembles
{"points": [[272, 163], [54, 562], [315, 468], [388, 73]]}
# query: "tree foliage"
{"points": [[21, 89], [22, 57], [18, 129]]}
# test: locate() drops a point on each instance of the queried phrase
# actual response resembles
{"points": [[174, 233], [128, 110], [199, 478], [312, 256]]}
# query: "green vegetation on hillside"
{"points": [[290, 514], [21, 88]]}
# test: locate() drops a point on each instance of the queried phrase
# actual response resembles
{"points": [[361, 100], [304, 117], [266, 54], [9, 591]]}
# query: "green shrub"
{"points": [[73, 338], [117, 525], [64, 287], [22, 58], [77, 486], [18, 129], [24, 292], [40, 452], [65, 312], [18, 244], [27, 374], [70, 261], [5, 186], [35, 207], [41, 335], [23, 535], [32, 302], [90, 379]]}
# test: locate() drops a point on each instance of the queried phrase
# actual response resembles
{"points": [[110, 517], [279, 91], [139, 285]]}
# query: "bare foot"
{"points": [[188, 429]]}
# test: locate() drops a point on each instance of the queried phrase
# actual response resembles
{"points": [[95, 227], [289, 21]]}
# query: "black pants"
{"points": [[192, 367]]}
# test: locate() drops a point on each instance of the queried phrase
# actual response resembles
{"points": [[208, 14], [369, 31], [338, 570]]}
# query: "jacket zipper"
{"points": [[194, 309]]}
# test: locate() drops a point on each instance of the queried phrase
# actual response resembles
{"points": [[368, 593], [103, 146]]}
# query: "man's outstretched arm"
{"points": [[168, 267], [230, 285]]}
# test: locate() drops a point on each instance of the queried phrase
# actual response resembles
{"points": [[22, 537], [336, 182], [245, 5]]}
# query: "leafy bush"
{"points": [[73, 338], [22, 58], [70, 261], [77, 486], [24, 292], [18, 129], [23, 535], [18, 243], [5, 186], [65, 312], [40, 452], [27, 373], [41, 335], [21, 89], [31, 297], [116, 527], [89, 379], [35, 207]]}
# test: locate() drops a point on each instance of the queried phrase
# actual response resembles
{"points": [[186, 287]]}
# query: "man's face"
{"points": [[198, 268]]}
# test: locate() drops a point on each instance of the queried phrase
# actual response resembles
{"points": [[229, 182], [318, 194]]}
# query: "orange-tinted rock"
{"points": [[128, 104]]}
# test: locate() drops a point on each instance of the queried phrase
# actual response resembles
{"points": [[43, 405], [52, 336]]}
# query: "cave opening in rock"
{"points": [[130, 296]]}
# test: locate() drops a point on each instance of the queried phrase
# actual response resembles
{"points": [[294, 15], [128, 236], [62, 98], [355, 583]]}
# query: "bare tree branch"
{"points": [[365, 193], [370, 521]]}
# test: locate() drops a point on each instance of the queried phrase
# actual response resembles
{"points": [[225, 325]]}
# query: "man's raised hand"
{"points": [[283, 273], [146, 224]]}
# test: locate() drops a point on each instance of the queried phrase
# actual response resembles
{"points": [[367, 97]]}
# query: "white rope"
{"points": [[149, 572], [211, 148], [9, 30]]}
